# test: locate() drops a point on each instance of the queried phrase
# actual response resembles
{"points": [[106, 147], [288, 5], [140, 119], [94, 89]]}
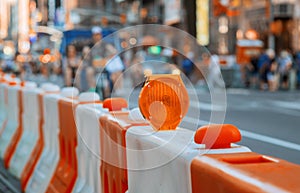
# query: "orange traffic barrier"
{"points": [[48, 161], [113, 166], [88, 112], [13, 130], [37, 150], [221, 171], [66, 171], [30, 127], [243, 172], [136, 156], [160, 161]]}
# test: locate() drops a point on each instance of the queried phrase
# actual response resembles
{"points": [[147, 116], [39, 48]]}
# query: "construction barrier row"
{"points": [[59, 141]]}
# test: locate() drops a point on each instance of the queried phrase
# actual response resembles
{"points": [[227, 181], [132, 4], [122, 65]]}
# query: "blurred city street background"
{"points": [[253, 45]]}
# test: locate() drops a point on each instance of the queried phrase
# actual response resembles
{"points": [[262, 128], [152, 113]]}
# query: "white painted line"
{"points": [[238, 91], [254, 136], [270, 140], [193, 120], [207, 106], [287, 105]]}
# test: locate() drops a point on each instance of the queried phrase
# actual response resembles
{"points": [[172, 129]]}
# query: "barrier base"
{"points": [[8, 183]]}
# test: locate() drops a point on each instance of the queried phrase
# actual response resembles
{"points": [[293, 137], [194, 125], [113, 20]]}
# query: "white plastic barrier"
{"points": [[88, 149], [13, 110], [160, 161], [47, 164], [29, 137]]}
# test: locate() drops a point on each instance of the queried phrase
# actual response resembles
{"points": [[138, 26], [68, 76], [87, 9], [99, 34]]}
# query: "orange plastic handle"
{"points": [[216, 136], [115, 104]]}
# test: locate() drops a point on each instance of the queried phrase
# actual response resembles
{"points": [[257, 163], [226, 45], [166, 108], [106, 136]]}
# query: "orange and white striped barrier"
{"points": [[153, 156], [13, 129], [48, 162], [88, 150], [65, 173], [90, 146], [31, 143], [113, 129], [30, 125], [240, 172]]}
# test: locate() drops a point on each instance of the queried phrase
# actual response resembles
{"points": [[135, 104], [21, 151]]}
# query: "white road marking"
{"points": [[271, 140], [287, 105], [207, 106]]}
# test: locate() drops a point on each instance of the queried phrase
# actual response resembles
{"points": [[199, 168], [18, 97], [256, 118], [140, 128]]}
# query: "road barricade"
{"points": [[88, 150], [31, 143], [160, 161], [82, 145], [247, 172], [113, 129], [48, 162], [13, 129], [65, 173]]}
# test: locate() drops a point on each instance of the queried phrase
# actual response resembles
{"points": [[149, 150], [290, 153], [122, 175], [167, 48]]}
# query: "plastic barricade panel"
{"points": [[88, 149], [48, 162], [66, 171], [244, 172], [13, 129], [113, 151], [30, 135], [38, 148], [160, 161]]}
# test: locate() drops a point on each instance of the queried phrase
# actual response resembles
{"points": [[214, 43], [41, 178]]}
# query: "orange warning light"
{"points": [[164, 101]]}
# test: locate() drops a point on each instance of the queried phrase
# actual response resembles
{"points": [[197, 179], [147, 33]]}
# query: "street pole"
{"points": [[271, 41]]}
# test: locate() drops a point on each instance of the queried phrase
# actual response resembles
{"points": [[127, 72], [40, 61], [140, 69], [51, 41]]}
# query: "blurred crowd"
{"points": [[268, 71], [99, 67], [96, 66]]}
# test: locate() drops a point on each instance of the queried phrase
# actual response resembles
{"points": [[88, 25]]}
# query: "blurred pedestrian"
{"points": [[210, 71], [56, 75], [285, 64], [187, 64], [264, 62], [100, 54], [114, 69], [70, 66], [297, 66], [85, 79], [252, 72], [273, 76]]}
